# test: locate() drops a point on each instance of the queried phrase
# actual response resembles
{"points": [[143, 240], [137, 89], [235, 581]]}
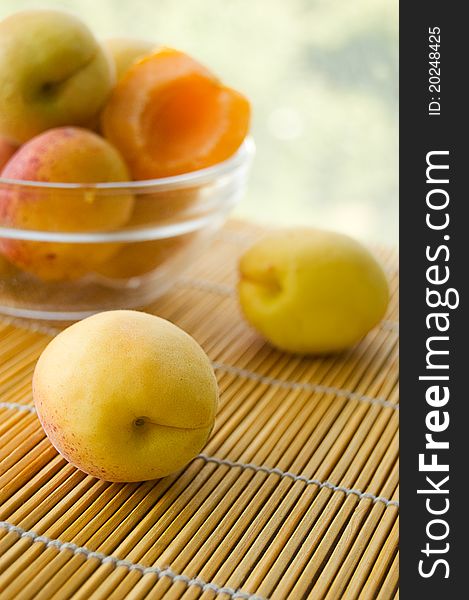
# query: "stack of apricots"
{"points": [[77, 110]]}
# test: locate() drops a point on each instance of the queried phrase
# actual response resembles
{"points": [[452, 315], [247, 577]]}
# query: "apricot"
{"points": [[126, 396], [63, 155], [164, 206], [53, 73], [170, 115], [125, 51], [140, 258], [311, 291]]}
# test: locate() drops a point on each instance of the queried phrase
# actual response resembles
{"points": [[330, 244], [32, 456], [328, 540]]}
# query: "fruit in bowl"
{"points": [[170, 115], [90, 132], [53, 72], [140, 258], [125, 51], [59, 156]]}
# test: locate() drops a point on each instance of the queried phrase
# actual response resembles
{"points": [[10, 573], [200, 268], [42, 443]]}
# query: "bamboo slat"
{"points": [[294, 496]]}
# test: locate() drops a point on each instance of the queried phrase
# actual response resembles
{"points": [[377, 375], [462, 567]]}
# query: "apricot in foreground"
{"points": [[126, 396]]}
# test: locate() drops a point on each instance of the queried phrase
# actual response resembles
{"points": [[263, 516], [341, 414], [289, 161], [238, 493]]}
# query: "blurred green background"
{"points": [[322, 77]]}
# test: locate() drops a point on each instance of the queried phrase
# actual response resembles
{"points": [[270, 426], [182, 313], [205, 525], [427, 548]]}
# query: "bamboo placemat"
{"points": [[294, 496]]}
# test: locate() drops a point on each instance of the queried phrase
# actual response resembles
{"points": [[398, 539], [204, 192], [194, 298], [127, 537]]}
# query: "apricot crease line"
{"points": [[130, 566]]}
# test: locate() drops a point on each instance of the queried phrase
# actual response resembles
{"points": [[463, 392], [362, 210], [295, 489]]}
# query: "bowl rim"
{"points": [[241, 157]]}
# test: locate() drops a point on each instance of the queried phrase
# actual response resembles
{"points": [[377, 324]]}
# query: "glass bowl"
{"points": [[66, 275]]}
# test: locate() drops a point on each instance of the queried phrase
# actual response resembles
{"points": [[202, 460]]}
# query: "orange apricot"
{"points": [[164, 207], [62, 155], [141, 258], [170, 115]]}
